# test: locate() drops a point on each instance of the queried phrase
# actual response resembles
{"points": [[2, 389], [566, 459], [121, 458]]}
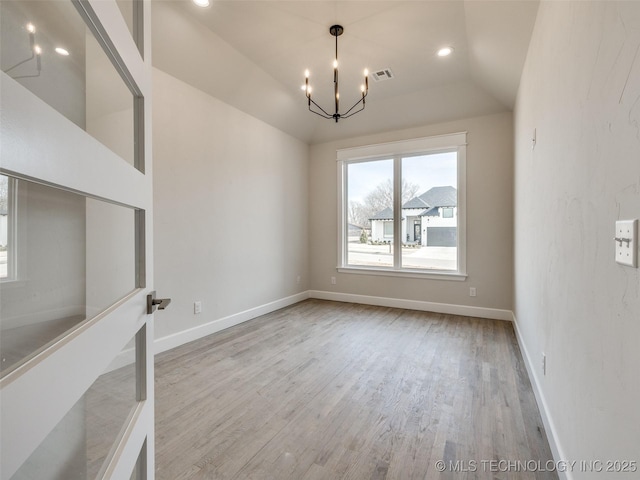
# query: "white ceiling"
{"points": [[252, 55]]}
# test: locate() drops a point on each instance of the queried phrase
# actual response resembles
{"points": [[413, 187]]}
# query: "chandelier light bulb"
{"points": [[202, 3], [62, 51], [37, 50], [366, 72], [362, 88], [306, 73], [335, 63], [31, 28]]}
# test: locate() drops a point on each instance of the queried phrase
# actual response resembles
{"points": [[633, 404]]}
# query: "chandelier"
{"points": [[336, 31]]}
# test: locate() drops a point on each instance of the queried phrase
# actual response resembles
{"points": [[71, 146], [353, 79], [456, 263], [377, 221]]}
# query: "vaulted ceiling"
{"points": [[253, 54]]}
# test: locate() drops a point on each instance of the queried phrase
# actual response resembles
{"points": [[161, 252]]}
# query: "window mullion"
{"points": [[343, 218], [397, 212]]}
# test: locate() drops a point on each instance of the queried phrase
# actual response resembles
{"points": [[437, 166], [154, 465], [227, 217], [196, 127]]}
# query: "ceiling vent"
{"points": [[383, 74]]}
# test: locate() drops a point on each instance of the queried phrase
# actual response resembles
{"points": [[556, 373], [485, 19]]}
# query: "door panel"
{"points": [[44, 146]]}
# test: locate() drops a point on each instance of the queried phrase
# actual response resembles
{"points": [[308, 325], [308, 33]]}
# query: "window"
{"points": [[408, 198], [8, 206]]}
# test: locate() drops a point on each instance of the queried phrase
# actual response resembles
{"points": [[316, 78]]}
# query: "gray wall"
{"points": [[230, 207], [489, 219], [581, 90], [51, 258]]}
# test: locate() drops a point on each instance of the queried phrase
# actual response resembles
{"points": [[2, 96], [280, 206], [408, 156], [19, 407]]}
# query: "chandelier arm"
{"points": [[354, 106], [352, 114], [318, 113], [328, 115], [20, 63]]}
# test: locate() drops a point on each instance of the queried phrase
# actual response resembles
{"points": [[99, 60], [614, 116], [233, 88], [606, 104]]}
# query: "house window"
{"points": [[424, 181]]}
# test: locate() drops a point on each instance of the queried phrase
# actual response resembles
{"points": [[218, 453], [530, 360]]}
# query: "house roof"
{"points": [[355, 228], [440, 197], [428, 201], [416, 202], [430, 212], [386, 214]]}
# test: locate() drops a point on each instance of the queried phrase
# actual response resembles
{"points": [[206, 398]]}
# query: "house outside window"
{"points": [[388, 230], [422, 179]]}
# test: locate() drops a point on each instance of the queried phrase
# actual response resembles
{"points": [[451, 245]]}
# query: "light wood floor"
{"points": [[324, 390]]}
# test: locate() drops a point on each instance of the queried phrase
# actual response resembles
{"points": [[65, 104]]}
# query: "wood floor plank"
{"points": [[326, 390]]}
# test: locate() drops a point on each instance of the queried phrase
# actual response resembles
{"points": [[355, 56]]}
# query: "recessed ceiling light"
{"points": [[201, 3], [62, 51], [445, 51]]}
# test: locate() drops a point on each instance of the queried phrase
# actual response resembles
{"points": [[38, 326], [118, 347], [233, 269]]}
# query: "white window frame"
{"points": [[397, 150]]}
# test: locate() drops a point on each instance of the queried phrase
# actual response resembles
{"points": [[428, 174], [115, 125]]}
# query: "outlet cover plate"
{"points": [[627, 242]]}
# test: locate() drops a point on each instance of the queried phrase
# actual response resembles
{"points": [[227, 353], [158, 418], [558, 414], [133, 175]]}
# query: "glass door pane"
{"points": [[47, 48], [78, 447], [71, 257], [132, 13]]}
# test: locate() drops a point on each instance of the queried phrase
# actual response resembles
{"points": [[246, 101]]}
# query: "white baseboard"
{"points": [[175, 340], [492, 313], [547, 420], [180, 338]]}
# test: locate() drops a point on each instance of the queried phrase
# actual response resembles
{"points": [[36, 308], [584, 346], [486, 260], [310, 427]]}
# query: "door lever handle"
{"points": [[153, 302]]}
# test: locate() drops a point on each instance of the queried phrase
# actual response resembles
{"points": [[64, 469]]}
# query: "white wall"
{"points": [[581, 90], [230, 208], [489, 239]]}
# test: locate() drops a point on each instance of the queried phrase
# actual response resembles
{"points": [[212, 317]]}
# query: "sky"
{"points": [[435, 170]]}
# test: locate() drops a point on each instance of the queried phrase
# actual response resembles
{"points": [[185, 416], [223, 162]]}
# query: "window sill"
{"points": [[429, 275], [12, 283]]}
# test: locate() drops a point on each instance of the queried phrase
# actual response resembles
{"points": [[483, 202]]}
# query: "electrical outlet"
{"points": [[197, 307], [472, 291], [544, 363], [333, 280]]}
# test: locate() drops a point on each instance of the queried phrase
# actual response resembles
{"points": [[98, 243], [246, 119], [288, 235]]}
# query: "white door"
{"points": [[76, 386]]}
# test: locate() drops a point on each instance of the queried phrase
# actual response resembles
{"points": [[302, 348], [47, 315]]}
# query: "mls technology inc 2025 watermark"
{"points": [[599, 466]]}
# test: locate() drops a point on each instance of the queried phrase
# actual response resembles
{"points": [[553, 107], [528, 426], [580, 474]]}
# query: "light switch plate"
{"points": [[626, 241]]}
